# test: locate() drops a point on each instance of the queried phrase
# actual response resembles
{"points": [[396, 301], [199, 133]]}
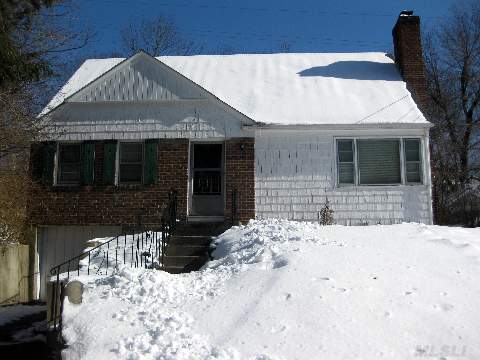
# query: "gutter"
{"points": [[261, 126]]}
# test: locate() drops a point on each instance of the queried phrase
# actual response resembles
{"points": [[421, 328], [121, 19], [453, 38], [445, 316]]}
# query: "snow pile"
{"points": [[288, 290]]}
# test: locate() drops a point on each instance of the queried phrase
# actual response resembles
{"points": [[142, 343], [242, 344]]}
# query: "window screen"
{"points": [[413, 165], [68, 164], [131, 162], [378, 161], [346, 166]]}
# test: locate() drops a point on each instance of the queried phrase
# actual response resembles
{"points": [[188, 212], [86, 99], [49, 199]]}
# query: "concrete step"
{"points": [[173, 269], [186, 261], [190, 240], [201, 228], [186, 250]]}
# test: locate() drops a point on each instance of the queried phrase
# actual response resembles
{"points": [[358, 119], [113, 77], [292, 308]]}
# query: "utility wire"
{"points": [[209, 6], [382, 108]]}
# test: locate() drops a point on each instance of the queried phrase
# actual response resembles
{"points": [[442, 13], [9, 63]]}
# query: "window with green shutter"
{"points": [[150, 166], [131, 163], [68, 164], [109, 162]]}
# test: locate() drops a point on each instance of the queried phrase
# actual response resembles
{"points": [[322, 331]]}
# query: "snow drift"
{"points": [[287, 290]]}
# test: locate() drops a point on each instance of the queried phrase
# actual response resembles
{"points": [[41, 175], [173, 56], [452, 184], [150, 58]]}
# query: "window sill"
{"points": [[67, 185], [369, 187], [133, 186]]}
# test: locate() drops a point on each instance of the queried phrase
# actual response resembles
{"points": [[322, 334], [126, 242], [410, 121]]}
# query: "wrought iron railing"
{"points": [[234, 207], [143, 247]]}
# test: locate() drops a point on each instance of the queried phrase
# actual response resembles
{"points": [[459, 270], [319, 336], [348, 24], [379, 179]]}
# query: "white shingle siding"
{"points": [[138, 80], [196, 119], [295, 175]]}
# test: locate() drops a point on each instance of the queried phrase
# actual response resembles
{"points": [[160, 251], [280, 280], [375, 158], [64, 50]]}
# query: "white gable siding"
{"points": [[143, 120], [295, 174], [140, 78]]}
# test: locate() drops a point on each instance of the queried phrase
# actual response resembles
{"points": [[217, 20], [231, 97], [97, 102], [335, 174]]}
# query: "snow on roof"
{"points": [[289, 89]]}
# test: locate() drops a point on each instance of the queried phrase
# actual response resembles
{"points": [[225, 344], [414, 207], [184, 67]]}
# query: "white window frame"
{"points": [[117, 163], [56, 162], [422, 162], [401, 139]]}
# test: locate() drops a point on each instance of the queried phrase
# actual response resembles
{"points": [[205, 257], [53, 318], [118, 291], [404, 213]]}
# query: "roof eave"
{"points": [[426, 125]]}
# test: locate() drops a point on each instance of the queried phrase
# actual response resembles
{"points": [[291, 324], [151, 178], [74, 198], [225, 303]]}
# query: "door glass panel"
{"points": [[207, 156], [207, 183], [207, 171]]}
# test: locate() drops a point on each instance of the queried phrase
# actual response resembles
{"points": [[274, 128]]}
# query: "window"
{"points": [[346, 165], [131, 163], [69, 160], [413, 168], [378, 161]]}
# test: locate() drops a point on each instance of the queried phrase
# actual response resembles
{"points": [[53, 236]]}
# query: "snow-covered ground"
{"points": [[288, 290]]}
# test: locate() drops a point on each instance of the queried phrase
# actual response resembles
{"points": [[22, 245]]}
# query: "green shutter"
{"points": [[109, 161], [48, 162], [379, 161], [88, 162], [150, 165]]}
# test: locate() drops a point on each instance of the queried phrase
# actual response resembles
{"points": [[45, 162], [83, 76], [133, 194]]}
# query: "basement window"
{"points": [[379, 161], [131, 163], [69, 163]]}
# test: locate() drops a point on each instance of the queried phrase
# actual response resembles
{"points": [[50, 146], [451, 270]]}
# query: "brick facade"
{"points": [[123, 205], [409, 57], [129, 205], [240, 175]]}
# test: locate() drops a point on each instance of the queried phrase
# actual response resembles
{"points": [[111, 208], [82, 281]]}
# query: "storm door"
{"points": [[206, 179]]}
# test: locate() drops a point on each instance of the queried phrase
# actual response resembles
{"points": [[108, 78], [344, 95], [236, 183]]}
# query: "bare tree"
{"points": [[452, 59], [285, 46], [34, 37], [157, 36]]}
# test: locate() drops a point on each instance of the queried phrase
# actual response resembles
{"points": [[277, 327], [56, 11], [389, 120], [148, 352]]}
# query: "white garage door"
{"points": [[57, 244]]}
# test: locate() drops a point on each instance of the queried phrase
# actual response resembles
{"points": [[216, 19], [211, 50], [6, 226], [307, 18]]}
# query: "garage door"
{"points": [[57, 244]]}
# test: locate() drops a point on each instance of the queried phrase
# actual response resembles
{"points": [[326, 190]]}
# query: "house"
{"points": [[280, 132]]}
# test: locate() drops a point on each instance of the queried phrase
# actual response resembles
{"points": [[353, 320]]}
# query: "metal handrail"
{"points": [[146, 241], [234, 207]]}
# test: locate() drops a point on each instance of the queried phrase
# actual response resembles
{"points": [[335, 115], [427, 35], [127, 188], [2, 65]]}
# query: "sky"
{"points": [[252, 26]]}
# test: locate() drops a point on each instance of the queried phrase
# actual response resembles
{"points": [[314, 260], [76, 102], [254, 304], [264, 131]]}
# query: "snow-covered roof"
{"points": [[288, 89]]}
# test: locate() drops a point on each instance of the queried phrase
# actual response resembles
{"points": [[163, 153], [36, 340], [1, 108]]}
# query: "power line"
{"points": [[280, 37], [209, 6], [382, 109]]}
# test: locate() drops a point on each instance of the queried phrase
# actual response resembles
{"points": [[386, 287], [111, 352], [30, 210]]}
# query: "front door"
{"points": [[207, 189]]}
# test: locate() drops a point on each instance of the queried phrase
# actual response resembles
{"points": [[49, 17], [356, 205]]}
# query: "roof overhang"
{"points": [[339, 126]]}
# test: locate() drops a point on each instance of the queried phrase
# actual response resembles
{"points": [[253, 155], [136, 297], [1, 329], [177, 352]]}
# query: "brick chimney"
{"points": [[408, 56]]}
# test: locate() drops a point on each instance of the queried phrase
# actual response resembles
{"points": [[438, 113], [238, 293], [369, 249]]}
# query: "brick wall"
{"points": [[240, 175], [107, 204], [409, 57], [295, 175]]}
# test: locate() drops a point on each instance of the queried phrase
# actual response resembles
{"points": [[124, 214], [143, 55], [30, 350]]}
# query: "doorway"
{"points": [[206, 179]]}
